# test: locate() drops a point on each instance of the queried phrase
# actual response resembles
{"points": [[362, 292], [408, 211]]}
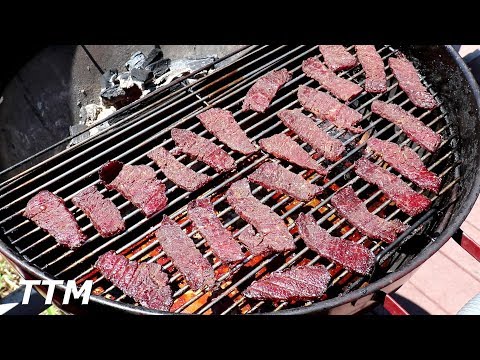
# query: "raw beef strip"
{"points": [[49, 212], [274, 176], [202, 214], [414, 128], [283, 147], [145, 283], [372, 63], [299, 283], [342, 88], [349, 254], [273, 233], [101, 211], [328, 108], [406, 162], [173, 169], [406, 199], [137, 183], [204, 150], [185, 256], [337, 57], [222, 124], [308, 131], [260, 95], [354, 210], [409, 81]]}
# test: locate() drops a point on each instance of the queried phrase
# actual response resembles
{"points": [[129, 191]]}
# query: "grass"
{"points": [[9, 278], [9, 281]]}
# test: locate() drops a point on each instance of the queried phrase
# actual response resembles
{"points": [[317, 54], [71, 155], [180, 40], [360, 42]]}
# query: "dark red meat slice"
{"points": [[185, 256], [349, 254], [272, 230], [173, 169], [222, 124], [372, 63], [202, 214], [414, 128], [137, 183], [101, 211], [253, 241], [342, 88], [49, 212], [409, 80], [203, 150], [274, 176], [405, 198], [406, 162], [328, 108], [300, 283], [354, 210], [308, 131], [263, 91], [337, 57], [145, 283], [283, 147]]}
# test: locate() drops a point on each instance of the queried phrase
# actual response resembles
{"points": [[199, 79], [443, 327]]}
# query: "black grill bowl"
{"points": [[448, 75]]}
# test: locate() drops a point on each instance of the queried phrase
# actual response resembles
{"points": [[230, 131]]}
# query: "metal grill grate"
{"points": [[132, 137]]}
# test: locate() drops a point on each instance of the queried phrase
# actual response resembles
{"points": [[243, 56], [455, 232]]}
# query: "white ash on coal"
{"points": [[144, 74]]}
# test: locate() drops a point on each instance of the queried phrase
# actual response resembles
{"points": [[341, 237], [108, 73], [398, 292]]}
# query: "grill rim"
{"points": [[24, 267]]}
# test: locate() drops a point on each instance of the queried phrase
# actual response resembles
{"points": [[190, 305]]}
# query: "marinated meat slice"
{"points": [[136, 183], [350, 255], [337, 57], [406, 162], [145, 283], [283, 147], [101, 211], [253, 241], [414, 128], [409, 80], [49, 212], [173, 169], [405, 198], [299, 283], [354, 210], [272, 230], [260, 95], [328, 108], [274, 176], [185, 256], [372, 63], [342, 88], [224, 246], [222, 124], [203, 150], [308, 131]]}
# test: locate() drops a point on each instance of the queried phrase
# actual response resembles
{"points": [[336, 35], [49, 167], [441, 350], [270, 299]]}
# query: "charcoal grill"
{"points": [[146, 124]]}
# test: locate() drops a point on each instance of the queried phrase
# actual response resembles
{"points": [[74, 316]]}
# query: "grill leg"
{"points": [[467, 244], [393, 307], [12, 304]]}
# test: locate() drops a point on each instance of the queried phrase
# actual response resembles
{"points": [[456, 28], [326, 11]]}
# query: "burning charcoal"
{"points": [[153, 56], [112, 96], [89, 113], [76, 129], [140, 75], [135, 61], [119, 97], [183, 67], [159, 67], [108, 78]]}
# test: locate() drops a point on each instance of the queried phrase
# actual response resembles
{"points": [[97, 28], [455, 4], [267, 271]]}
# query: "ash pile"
{"points": [[143, 74]]}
